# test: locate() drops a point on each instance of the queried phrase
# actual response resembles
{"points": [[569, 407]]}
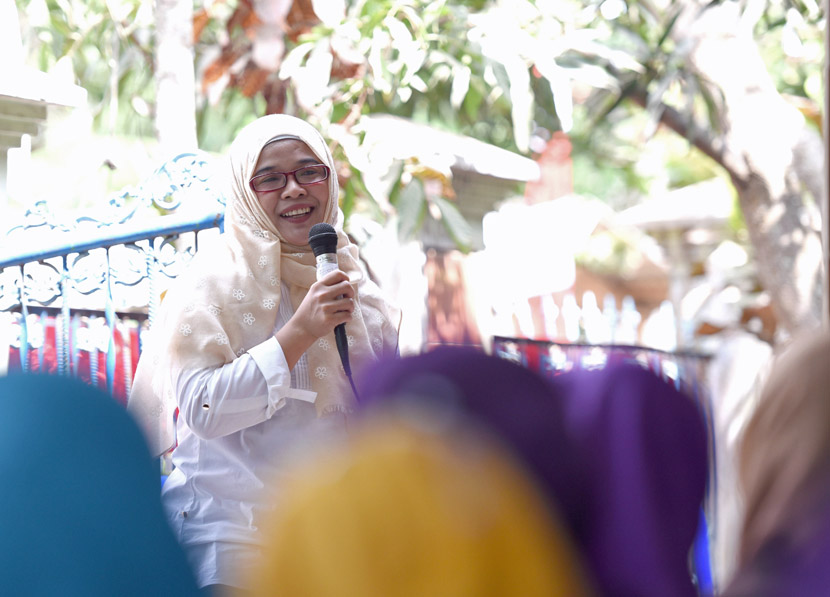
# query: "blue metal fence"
{"points": [[65, 278]]}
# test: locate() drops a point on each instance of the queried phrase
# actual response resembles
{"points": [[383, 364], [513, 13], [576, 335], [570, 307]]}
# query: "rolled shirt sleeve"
{"points": [[222, 400], [277, 375]]}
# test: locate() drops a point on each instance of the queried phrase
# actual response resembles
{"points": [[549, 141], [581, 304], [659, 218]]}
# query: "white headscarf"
{"points": [[228, 299]]}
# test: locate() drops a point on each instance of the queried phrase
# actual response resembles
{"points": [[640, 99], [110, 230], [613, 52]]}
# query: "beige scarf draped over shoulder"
{"points": [[227, 300]]}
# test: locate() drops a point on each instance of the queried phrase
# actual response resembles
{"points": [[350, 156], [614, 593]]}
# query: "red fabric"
{"points": [[83, 372]]}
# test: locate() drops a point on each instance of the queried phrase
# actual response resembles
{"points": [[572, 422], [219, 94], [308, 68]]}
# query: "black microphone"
{"points": [[323, 241]]}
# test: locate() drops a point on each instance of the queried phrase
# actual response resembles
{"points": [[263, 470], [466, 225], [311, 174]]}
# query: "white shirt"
{"points": [[241, 428]]}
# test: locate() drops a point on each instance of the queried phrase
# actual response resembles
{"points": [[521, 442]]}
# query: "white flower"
{"points": [[297, 254], [249, 318], [269, 303], [323, 343], [320, 373], [274, 281], [240, 352], [185, 329], [214, 310], [221, 338], [357, 313], [243, 220], [377, 344], [238, 294], [261, 233], [189, 308], [350, 340], [262, 261]]}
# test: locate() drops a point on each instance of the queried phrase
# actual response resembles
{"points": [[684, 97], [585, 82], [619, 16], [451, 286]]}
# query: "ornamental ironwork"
{"points": [[84, 282]]}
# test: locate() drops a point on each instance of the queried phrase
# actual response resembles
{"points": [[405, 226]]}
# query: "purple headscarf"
{"points": [[513, 403], [643, 451], [792, 562]]}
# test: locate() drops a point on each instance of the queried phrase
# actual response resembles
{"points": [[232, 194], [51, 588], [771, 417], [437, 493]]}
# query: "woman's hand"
{"points": [[329, 302]]}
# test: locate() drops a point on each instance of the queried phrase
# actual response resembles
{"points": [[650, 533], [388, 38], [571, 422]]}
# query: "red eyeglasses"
{"points": [[274, 181]]}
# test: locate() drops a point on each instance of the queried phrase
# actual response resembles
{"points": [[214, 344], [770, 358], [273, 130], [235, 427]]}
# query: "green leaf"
{"points": [[472, 103], [669, 28], [456, 224], [340, 110], [348, 200], [411, 206], [712, 99], [397, 185]]}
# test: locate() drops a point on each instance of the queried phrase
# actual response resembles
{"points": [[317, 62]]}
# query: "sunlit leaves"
{"points": [[560, 86], [108, 45], [381, 75], [496, 70], [330, 12], [460, 85]]}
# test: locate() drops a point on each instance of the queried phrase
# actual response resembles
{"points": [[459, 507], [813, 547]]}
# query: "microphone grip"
{"points": [[327, 262], [342, 347]]}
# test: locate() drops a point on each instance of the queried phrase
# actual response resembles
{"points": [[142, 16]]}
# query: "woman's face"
{"points": [[295, 208]]}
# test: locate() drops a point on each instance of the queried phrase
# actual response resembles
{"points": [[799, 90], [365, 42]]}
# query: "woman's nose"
{"points": [[292, 188]]}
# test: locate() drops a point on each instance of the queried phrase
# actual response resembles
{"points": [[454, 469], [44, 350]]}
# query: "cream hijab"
{"points": [[785, 452], [228, 299]]}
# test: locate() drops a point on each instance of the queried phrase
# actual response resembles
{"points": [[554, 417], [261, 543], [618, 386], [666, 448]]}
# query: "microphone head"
{"points": [[323, 239]]}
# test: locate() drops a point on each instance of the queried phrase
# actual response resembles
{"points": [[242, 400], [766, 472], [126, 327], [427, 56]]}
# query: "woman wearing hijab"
{"points": [[80, 513], [643, 452], [421, 505], [244, 346], [784, 470]]}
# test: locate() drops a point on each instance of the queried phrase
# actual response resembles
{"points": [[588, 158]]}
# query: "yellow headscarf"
{"points": [[228, 299], [402, 511]]}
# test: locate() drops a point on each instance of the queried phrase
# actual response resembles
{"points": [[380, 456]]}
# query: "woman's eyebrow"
{"points": [[263, 170], [302, 162]]}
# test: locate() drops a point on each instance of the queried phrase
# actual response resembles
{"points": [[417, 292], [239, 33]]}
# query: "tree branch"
{"points": [[711, 145]]}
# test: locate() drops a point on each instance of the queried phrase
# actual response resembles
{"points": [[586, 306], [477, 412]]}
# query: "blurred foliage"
{"points": [[505, 72], [790, 35], [106, 46]]}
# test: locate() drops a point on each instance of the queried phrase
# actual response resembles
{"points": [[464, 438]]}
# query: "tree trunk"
{"points": [[775, 160], [175, 78]]}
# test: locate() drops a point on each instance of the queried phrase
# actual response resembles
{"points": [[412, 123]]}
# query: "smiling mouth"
{"points": [[296, 212]]}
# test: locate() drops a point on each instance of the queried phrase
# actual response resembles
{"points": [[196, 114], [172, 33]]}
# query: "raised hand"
{"points": [[329, 302]]}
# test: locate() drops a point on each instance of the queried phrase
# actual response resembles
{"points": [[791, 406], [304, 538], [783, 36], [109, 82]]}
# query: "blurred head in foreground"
{"points": [[412, 508], [784, 472], [517, 405], [644, 461], [80, 510]]}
